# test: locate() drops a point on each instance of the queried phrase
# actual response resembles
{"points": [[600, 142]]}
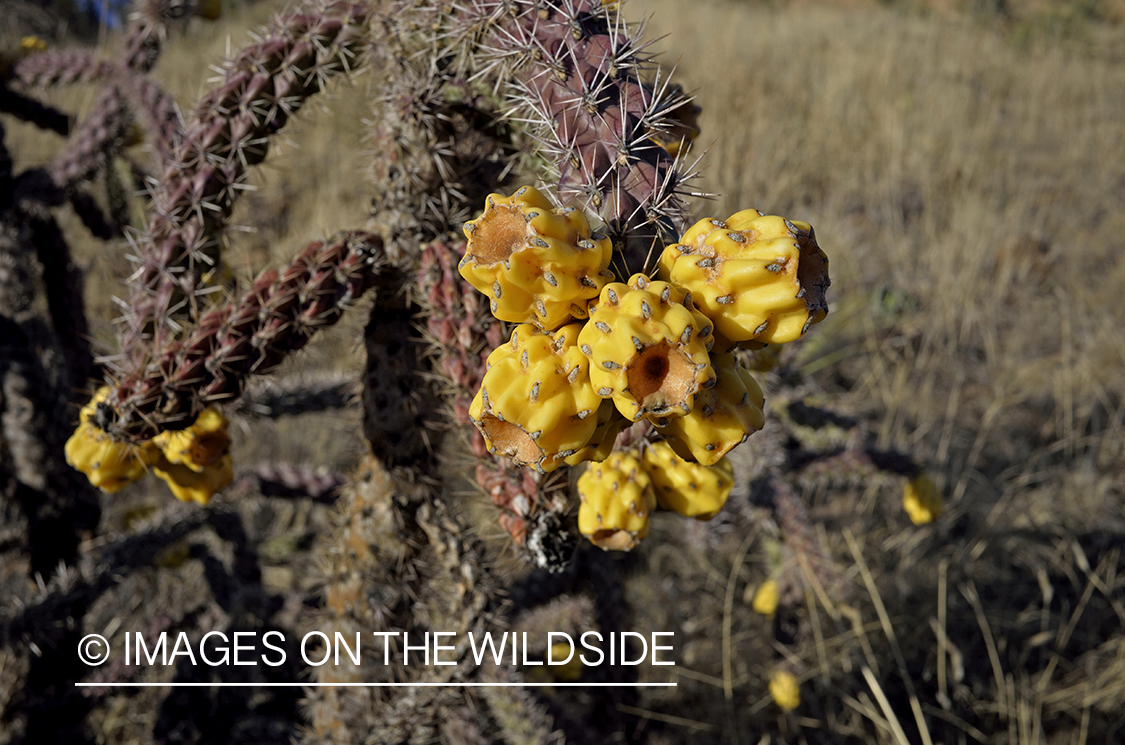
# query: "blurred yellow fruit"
{"points": [[921, 500], [30, 44], [108, 464], [572, 670], [766, 598], [785, 690], [200, 446]]}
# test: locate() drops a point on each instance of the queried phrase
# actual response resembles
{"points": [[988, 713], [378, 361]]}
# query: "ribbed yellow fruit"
{"points": [[610, 425], [688, 488], [536, 263], [196, 461], [617, 499], [759, 278], [536, 405], [723, 416], [200, 446], [189, 485], [648, 349], [108, 464]]}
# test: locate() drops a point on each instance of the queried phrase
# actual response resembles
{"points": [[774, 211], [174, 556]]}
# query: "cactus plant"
{"points": [[401, 554]]}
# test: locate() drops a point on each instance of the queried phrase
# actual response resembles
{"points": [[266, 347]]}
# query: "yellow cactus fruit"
{"points": [[108, 464], [723, 416], [30, 44], [757, 277], [196, 461], [921, 500], [785, 690], [648, 349], [189, 485], [610, 425], [688, 488], [200, 446], [572, 669], [617, 499], [767, 596], [535, 263], [536, 404]]}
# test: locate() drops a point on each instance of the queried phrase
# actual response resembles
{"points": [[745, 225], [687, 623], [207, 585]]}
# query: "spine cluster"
{"points": [[578, 72]]}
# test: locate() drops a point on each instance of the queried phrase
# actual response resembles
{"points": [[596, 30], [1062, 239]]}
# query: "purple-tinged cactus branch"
{"points": [[29, 110], [52, 69], [262, 87], [95, 141], [573, 71], [276, 316]]}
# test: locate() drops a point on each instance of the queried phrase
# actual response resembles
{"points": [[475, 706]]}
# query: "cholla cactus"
{"points": [[609, 364]]}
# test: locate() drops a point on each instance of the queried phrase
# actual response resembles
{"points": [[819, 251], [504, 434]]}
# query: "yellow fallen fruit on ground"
{"points": [[784, 689], [921, 500], [766, 598]]}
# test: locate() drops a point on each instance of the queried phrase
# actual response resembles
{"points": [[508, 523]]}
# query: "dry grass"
{"points": [[966, 184], [963, 189]]}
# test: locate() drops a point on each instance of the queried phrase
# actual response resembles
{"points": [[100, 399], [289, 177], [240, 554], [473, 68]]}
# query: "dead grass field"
{"points": [[965, 179]]}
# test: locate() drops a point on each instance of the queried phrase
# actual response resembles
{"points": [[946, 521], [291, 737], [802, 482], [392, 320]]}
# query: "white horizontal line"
{"points": [[376, 685]]}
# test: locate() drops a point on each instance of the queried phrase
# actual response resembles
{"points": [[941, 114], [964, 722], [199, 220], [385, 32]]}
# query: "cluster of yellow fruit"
{"points": [[620, 493], [591, 355], [194, 462]]}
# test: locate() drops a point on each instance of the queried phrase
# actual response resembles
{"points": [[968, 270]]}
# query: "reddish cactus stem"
{"points": [[573, 69], [95, 141], [50, 69], [278, 315], [263, 86]]}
